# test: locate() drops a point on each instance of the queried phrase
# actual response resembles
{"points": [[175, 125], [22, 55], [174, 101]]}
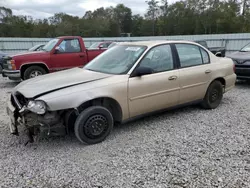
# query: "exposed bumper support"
{"points": [[49, 124], [11, 111]]}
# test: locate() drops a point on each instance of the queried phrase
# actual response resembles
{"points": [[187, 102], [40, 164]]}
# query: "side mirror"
{"points": [[140, 71], [101, 46], [57, 50]]}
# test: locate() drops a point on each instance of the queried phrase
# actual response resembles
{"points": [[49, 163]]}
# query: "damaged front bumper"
{"points": [[49, 124], [11, 111]]}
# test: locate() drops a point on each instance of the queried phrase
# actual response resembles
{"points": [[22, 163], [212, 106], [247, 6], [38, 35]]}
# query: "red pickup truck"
{"points": [[58, 54]]}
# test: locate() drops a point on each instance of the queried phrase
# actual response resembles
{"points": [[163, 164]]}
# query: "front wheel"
{"points": [[93, 125], [213, 96], [33, 71]]}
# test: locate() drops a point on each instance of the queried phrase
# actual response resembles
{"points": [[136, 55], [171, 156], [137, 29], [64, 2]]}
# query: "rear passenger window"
{"points": [[205, 56], [189, 55]]}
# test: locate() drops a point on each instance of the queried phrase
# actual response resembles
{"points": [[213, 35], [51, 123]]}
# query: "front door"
{"points": [[68, 56], [158, 90], [195, 72]]}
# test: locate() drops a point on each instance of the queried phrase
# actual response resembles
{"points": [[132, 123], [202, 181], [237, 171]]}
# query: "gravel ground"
{"points": [[189, 147]]}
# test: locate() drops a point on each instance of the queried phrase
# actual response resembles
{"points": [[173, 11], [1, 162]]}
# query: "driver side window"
{"points": [[159, 59], [69, 46]]}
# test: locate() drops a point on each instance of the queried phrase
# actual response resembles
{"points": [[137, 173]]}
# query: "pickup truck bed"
{"points": [[218, 51]]}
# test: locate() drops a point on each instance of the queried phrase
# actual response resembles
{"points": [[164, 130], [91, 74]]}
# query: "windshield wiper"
{"points": [[243, 51]]}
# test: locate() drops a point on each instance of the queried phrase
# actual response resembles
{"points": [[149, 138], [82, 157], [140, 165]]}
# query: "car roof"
{"points": [[68, 37], [156, 42]]}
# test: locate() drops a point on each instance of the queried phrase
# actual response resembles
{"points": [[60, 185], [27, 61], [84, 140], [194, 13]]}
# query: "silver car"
{"points": [[128, 81]]}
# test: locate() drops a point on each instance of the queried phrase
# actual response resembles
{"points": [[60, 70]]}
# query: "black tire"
{"points": [[92, 120], [213, 95], [70, 119], [33, 69]]}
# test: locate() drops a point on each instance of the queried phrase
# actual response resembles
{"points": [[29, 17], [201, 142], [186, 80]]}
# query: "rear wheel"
{"points": [[33, 71], [93, 125], [213, 96]]}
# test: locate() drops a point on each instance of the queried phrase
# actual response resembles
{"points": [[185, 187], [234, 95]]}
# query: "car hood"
{"points": [[36, 87], [28, 53], [239, 55]]}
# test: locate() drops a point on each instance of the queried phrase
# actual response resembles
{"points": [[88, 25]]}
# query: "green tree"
{"points": [[152, 12], [123, 16], [137, 22], [184, 17]]}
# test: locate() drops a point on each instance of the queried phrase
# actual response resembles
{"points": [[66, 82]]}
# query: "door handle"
{"points": [[172, 78], [208, 71], [81, 56]]}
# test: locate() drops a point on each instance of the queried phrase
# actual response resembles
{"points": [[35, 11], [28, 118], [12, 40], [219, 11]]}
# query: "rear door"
{"points": [[69, 55], [195, 71]]}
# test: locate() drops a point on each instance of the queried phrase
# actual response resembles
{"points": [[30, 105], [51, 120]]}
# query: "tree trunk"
{"points": [[244, 7]]}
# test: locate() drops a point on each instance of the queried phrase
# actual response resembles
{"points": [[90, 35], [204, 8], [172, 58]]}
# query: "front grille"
{"points": [[242, 65], [242, 71], [5, 64]]}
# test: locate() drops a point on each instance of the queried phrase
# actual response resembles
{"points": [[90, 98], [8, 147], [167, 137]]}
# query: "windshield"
{"points": [[50, 45], [246, 48], [33, 48], [117, 60], [95, 45]]}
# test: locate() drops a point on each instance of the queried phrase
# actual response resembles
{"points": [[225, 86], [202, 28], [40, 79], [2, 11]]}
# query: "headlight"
{"points": [[11, 64], [38, 107]]}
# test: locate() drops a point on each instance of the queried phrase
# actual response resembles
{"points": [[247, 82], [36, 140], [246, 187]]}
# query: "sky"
{"points": [[47, 8]]}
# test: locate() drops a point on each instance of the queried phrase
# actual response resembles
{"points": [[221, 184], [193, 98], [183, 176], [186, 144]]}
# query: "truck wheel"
{"points": [[93, 125], [213, 96], [33, 71]]}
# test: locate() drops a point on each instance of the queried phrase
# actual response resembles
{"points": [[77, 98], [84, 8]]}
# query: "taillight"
{"points": [[12, 63]]}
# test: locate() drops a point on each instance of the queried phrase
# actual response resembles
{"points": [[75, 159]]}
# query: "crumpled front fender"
{"points": [[74, 96]]}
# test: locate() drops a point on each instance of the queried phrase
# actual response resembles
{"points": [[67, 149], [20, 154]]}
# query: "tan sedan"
{"points": [[127, 81]]}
